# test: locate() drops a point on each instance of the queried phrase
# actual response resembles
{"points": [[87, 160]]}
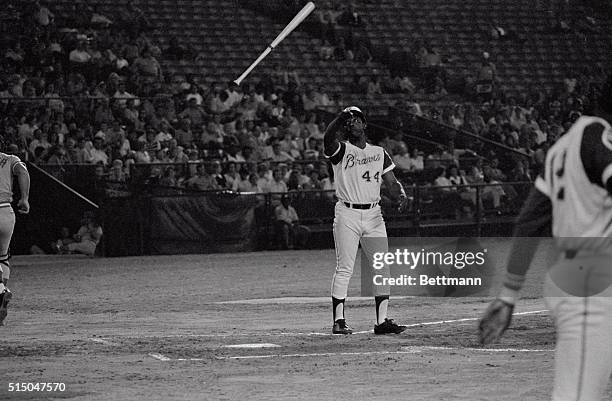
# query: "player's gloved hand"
{"points": [[404, 203], [345, 115], [23, 206], [495, 321]]}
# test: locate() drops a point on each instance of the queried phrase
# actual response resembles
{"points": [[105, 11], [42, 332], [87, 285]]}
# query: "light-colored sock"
{"points": [[381, 312], [339, 311]]}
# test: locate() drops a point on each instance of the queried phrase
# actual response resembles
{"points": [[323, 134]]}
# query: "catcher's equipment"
{"points": [[495, 321]]}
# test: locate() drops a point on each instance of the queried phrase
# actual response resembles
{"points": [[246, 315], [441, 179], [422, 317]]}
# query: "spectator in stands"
{"points": [[116, 172], [442, 180], [288, 230], [202, 180], [230, 174], [487, 75], [402, 159], [473, 122], [494, 191], [58, 155], [277, 184], [80, 57], [461, 183], [142, 154], [184, 135], [293, 181], [194, 112], [40, 140], [217, 173], [122, 95], [279, 155], [242, 183], [147, 69], [98, 153], [416, 160], [103, 112], [169, 177], [86, 239]]}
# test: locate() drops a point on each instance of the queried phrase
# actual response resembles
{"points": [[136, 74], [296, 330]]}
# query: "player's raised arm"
{"points": [[331, 144]]}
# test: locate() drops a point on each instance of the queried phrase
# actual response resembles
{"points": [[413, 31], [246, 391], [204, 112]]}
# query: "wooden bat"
{"points": [[297, 20]]}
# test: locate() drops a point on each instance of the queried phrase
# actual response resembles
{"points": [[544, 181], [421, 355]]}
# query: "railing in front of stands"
{"points": [[91, 180], [474, 204]]}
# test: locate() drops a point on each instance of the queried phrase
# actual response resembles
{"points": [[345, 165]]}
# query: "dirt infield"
{"points": [[159, 328]]}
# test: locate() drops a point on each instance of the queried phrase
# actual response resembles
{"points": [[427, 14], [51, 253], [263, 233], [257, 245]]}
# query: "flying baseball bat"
{"points": [[297, 20]]}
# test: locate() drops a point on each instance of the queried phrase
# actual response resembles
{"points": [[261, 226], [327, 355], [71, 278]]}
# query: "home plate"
{"points": [[257, 345]]}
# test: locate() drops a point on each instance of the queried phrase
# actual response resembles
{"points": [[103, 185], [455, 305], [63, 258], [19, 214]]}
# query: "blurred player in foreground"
{"points": [[574, 193], [359, 170], [10, 166]]}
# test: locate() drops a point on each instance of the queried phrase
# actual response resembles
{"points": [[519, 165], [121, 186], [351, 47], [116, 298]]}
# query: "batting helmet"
{"points": [[355, 111]]}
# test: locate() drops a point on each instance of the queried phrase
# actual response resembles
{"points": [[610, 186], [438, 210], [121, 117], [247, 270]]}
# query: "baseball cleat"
{"points": [[5, 297], [340, 327], [388, 327]]}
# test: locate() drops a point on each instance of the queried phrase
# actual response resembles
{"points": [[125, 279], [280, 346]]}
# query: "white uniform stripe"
{"points": [[541, 186], [389, 168], [606, 174], [335, 153]]}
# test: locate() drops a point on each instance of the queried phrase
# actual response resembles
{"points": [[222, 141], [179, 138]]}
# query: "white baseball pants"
{"points": [[351, 227], [583, 356]]}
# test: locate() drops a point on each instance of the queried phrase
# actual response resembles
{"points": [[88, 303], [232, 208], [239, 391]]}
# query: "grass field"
{"points": [[152, 328]]}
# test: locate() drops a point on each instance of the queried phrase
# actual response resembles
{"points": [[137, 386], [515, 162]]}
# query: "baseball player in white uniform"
{"points": [[359, 170], [574, 194], [10, 166]]}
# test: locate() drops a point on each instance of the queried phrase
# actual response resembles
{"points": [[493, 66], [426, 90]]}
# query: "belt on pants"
{"points": [[5, 205], [362, 206]]}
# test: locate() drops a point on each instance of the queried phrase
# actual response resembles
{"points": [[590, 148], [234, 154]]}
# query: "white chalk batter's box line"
{"points": [[296, 334], [404, 350]]}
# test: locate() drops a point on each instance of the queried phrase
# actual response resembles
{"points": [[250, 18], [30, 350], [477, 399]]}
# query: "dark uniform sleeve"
{"points": [[534, 221], [388, 164], [596, 155], [338, 154]]}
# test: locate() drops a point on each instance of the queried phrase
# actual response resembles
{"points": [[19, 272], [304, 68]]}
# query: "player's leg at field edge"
{"points": [[583, 356]]}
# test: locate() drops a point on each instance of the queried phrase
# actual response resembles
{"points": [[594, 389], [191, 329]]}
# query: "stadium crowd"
{"points": [[88, 89]]}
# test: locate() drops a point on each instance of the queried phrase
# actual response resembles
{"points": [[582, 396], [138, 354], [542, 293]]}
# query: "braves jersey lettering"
{"points": [[351, 160], [577, 170], [358, 172], [7, 165]]}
